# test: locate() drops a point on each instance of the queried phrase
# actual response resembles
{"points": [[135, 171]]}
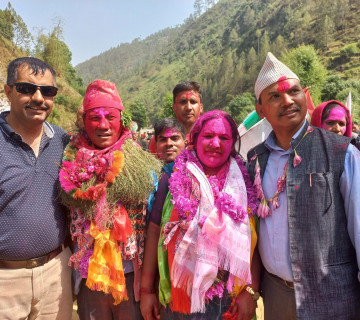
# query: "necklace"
{"points": [[264, 209]]}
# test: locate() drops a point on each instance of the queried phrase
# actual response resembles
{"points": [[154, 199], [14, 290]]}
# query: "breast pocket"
{"points": [[313, 193]]}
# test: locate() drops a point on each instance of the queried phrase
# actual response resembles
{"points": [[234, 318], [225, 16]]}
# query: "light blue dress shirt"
{"points": [[274, 231]]}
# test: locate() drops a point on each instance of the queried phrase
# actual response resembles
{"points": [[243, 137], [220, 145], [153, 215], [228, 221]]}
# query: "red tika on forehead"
{"points": [[283, 85], [190, 94]]}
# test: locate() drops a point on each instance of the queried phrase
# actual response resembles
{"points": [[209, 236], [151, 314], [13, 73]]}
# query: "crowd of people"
{"points": [[176, 225]]}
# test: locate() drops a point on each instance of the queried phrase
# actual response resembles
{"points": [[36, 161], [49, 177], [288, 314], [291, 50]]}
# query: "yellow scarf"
{"points": [[105, 271]]}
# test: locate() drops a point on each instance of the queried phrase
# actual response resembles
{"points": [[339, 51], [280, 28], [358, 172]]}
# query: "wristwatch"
{"points": [[254, 294]]}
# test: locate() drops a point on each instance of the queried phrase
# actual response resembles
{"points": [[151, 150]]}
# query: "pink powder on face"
{"points": [[212, 149], [101, 112], [169, 132], [191, 94], [336, 114], [283, 85], [104, 119]]}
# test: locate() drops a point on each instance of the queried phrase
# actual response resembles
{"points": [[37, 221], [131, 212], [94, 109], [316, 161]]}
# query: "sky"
{"points": [[91, 27]]}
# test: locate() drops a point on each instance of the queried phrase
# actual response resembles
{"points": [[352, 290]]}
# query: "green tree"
{"points": [[13, 27], [249, 17], [306, 64], [258, 35], [252, 64], [240, 73], [342, 11], [264, 46], [327, 28], [227, 68], [279, 46], [6, 26], [56, 53], [240, 106], [332, 86], [233, 38], [138, 113], [166, 107], [21, 36]]}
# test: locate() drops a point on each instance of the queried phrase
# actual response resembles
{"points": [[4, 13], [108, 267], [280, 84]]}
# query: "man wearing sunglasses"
{"points": [[35, 280]]}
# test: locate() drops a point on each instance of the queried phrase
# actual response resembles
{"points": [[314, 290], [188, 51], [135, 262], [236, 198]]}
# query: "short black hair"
{"points": [[186, 86], [36, 65], [169, 123]]}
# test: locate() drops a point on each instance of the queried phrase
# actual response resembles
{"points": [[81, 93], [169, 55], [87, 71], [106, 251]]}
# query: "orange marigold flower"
{"points": [[116, 167]]}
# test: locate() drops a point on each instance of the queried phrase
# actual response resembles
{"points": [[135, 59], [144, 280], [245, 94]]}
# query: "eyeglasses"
{"points": [[30, 88]]}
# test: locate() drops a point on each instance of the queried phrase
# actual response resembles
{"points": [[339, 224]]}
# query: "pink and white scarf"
{"points": [[212, 241]]}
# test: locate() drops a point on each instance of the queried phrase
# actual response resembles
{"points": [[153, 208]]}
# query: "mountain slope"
{"points": [[224, 48]]}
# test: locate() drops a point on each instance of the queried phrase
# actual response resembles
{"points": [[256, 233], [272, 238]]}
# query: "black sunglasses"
{"points": [[30, 88]]}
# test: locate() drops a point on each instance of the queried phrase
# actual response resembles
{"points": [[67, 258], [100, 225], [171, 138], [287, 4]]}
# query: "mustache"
{"points": [[291, 108], [31, 104]]}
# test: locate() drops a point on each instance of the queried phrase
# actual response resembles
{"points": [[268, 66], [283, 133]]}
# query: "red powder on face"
{"points": [[191, 94], [283, 85], [169, 132]]}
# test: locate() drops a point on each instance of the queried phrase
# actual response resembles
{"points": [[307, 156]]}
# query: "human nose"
{"points": [[287, 100], [169, 142], [215, 142], [188, 105], [104, 124], [337, 128], [38, 97]]}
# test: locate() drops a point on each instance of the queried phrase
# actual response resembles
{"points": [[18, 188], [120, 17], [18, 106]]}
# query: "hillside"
{"points": [[224, 48]]}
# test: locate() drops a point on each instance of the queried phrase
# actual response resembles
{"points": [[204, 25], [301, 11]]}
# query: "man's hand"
{"points": [[150, 306], [244, 307]]}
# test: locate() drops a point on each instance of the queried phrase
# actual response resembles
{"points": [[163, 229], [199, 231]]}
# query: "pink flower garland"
{"points": [[73, 174], [180, 186]]}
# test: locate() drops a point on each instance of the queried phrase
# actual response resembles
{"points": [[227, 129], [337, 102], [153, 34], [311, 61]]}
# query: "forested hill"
{"points": [[224, 48], [117, 63]]}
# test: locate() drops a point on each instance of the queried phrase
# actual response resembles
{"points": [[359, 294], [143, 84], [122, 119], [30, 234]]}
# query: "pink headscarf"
{"points": [[317, 115], [102, 93]]}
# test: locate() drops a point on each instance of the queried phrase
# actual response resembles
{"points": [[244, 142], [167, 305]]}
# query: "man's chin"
{"points": [[168, 158], [37, 118]]}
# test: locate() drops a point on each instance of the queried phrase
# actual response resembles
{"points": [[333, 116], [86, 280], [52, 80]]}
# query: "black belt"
{"points": [[31, 263]]}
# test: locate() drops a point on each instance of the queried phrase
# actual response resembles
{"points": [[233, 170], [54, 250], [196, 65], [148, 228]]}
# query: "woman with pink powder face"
{"points": [[333, 116], [213, 202]]}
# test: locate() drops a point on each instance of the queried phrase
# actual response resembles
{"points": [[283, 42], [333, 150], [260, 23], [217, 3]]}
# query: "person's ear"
{"points": [[259, 110], [7, 90]]}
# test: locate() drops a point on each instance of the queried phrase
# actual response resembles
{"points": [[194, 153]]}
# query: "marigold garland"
{"points": [[89, 178]]}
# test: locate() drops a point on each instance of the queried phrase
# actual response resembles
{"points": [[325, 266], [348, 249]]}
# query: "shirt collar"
{"points": [[4, 125], [270, 142]]}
